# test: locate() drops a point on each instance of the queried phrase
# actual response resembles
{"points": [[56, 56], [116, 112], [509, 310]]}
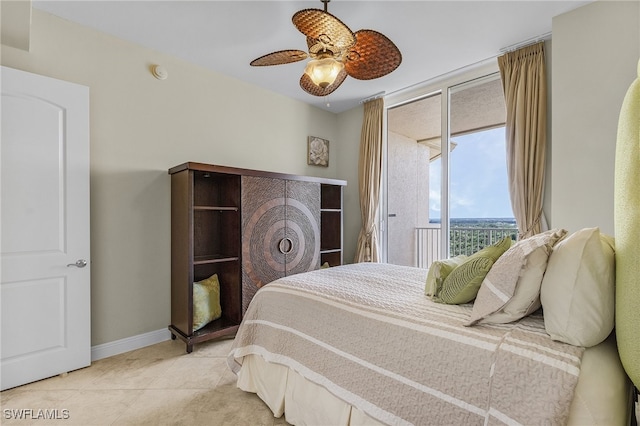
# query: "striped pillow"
{"points": [[511, 290]]}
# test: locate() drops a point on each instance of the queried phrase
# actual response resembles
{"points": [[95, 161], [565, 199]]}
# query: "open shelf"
{"points": [[205, 240], [218, 328], [331, 197], [215, 189], [216, 231], [214, 258], [331, 224], [333, 258], [216, 208], [222, 324]]}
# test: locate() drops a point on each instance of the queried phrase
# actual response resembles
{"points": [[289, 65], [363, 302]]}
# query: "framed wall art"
{"points": [[317, 151]]}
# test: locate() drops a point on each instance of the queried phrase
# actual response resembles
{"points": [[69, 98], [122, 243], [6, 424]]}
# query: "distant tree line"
{"points": [[470, 235]]}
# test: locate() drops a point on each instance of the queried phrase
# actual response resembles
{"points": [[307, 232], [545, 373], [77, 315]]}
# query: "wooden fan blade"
{"points": [[324, 27], [309, 86], [373, 56], [279, 58]]}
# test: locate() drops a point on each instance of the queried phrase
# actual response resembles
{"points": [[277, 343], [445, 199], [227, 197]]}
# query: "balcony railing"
{"points": [[462, 240], [469, 240]]}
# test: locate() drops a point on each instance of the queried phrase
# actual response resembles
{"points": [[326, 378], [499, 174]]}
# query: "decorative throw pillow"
{"points": [[462, 284], [438, 271], [578, 289], [511, 289], [206, 302]]}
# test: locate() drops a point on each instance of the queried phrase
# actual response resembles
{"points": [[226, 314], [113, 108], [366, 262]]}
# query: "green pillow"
{"points": [[206, 302], [438, 271], [463, 283]]}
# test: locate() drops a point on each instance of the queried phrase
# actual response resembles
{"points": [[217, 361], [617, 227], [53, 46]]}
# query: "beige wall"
{"points": [[140, 127], [595, 54], [349, 130]]}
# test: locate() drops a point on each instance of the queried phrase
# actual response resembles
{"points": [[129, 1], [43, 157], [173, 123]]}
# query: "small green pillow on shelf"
{"points": [[463, 283], [438, 271], [206, 302]]}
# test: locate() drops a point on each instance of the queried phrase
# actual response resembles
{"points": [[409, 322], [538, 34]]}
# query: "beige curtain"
{"points": [[525, 90], [369, 175]]}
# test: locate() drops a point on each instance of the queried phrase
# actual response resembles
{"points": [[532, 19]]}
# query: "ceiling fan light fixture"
{"points": [[336, 52], [323, 72]]}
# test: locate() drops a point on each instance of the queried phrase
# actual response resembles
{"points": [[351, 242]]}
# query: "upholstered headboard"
{"points": [[627, 230]]}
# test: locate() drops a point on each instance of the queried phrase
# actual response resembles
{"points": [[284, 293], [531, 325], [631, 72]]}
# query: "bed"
{"points": [[362, 344], [400, 358]]}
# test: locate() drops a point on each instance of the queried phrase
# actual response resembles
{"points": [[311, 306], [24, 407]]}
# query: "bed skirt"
{"points": [[602, 395]]}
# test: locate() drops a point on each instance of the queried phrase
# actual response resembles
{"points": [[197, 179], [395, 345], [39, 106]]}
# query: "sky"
{"points": [[478, 173]]}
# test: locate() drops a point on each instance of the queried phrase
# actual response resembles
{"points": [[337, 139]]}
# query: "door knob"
{"points": [[80, 263]]}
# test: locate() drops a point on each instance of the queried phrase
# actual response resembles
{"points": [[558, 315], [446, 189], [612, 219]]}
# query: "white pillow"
{"points": [[578, 289], [511, 289]]}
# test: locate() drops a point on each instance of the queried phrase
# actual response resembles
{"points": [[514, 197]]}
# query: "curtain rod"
{"points": [[370, 98], [532, 40], [525, 43]]}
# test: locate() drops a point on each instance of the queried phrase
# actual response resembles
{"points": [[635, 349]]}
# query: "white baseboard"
{"points": [[127, 344]]}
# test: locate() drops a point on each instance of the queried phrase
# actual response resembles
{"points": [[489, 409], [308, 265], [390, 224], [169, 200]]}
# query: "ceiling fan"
{"points": [[336, 52]]}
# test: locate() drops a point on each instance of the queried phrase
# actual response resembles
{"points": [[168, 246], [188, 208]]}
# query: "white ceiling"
{"points": [[435, 37]]}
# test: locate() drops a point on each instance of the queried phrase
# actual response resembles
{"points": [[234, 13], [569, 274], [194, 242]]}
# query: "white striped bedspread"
{"points": [[367, 333]]}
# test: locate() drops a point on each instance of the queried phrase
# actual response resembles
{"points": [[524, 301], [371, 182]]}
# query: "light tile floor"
{"points": [[157, 385]]}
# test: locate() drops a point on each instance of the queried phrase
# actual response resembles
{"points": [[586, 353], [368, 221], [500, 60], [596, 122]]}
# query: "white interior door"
{"points": [[45, 268]]}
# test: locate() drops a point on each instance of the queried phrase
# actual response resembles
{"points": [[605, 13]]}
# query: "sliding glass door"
{"points": [[445, 196]]}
